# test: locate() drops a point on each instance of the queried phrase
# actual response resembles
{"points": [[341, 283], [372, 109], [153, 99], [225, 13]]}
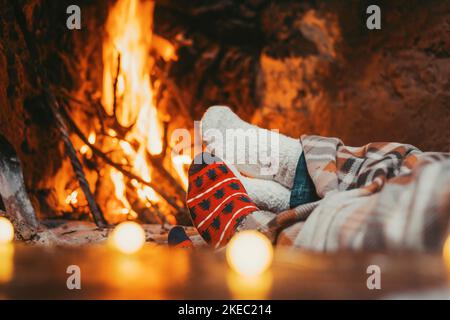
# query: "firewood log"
{"points": [[14, 195]]}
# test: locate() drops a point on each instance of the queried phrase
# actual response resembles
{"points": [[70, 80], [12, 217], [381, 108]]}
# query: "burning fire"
{"points": [[72, 198], [128, 95], [179, 163]]}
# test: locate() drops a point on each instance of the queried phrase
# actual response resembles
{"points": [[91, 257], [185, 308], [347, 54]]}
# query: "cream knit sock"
{"points": [[256, 152]]}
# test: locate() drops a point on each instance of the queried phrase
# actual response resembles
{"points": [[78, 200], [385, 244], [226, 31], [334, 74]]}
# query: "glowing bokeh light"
{"points": [[128, 237], [6, 262], [6, 231], [446, 253], [249, 287], [249, 253]]}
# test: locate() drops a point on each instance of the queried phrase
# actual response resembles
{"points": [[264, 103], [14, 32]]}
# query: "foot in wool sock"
{"points": [[217, 200], [276, 155], [266, 194], [179, 239]]}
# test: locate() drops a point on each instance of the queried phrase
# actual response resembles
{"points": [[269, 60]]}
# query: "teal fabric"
{"points": [[303, 190]]}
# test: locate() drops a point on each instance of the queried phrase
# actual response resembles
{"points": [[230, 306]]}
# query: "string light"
{"points": [[6, 231], [249, 253], [128, 237]]}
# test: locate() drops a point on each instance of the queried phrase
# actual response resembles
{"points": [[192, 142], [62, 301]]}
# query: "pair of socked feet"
{"points": [[247, 188]]}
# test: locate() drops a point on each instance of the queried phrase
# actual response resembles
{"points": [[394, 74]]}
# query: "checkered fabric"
{"points": [[382, 196]]}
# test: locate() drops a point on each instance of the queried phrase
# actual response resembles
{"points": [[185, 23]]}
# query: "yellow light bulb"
{"points": [[249, 253], [128, 237], [6, 231]]}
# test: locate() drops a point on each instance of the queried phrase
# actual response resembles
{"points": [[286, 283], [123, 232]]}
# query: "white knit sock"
{"points": [[263, 154], [267, 195]]}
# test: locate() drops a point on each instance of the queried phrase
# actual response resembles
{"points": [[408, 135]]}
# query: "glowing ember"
{"points": [[128, 237], [84, 149], [92, 138], [6, 231], [249, 253], [72, 198], [112, 133]]}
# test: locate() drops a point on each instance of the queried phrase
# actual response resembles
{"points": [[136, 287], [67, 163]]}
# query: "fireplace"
{"points": [[138, 70]]}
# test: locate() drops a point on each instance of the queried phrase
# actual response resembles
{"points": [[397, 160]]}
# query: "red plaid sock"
{"points": [[216, 199], [178, 238]]}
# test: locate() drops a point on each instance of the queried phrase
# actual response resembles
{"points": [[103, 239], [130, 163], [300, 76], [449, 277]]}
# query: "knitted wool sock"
{"points": [[278, 155], [179, 239], [217, 200], [266, 194]]}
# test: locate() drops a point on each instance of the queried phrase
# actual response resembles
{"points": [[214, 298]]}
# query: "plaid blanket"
{"points": [[381, 196]]}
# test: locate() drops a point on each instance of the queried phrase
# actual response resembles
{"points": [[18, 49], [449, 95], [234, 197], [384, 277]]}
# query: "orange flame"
{"points": [[179, 163], [72, 198], [119, 187], [92, 138], [128, 91]]}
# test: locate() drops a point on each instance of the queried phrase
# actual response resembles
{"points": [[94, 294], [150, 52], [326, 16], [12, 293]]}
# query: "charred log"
{"points": [[14, 194]]}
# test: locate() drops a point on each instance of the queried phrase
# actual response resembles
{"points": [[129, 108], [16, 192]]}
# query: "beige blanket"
{"points": [[376, 197]]}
